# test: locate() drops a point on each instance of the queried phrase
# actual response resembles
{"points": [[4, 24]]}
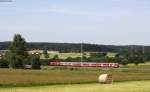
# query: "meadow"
{"points": [[129, 78], [65, 55], [55, 76], [136, 86], [73, 55]]}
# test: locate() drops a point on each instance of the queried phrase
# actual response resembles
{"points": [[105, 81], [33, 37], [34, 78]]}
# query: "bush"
{"points": [[35, 62], [44, 62], [4, 64], [124, 62], [69, 59]]}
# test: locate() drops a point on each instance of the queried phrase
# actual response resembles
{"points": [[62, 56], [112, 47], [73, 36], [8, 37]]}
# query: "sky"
{"points": [[109, 22]]}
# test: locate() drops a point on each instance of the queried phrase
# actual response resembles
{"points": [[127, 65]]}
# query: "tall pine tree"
{"points": [[17, 52]]}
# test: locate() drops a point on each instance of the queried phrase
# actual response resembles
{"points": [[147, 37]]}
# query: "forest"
{"points": [[76, 47]]}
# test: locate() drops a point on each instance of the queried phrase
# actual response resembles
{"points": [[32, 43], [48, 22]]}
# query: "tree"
{"points": [[84, 58], [69, 59], [137, 60], [46, 55], [17, 52], [124, 53], [124, 61], [27, 61], [3, 63], [56, 57], [134, 56]]}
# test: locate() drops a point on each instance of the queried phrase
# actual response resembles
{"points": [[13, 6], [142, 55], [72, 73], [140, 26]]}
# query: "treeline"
{"points": [[124, 57], [76, 47]]}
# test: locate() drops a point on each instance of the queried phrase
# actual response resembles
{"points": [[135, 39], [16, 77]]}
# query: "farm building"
{"points": [[2, 55], [38, 52]]}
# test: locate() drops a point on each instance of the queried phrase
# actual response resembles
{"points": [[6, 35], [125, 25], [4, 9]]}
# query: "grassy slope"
{"points": [[138, 86]]}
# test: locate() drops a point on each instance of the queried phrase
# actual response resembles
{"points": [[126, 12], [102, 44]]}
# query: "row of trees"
{"points": [[132, 56], [124, 58], [17, 57]]}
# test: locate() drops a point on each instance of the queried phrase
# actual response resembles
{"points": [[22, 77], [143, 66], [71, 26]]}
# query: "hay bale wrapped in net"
{"points": [[105, 79]]}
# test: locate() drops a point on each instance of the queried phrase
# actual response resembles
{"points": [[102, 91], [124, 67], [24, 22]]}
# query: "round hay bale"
{"points": [[105, 78]]}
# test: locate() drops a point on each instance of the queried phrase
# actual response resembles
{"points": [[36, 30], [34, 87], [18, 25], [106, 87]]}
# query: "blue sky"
{"points": [[111, 22]]}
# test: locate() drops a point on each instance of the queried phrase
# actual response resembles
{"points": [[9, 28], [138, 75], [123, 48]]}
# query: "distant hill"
{"points": [[75, 47]]}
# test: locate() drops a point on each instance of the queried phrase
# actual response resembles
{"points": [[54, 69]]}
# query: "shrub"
{"points": [[35, 62], [4, 64]]}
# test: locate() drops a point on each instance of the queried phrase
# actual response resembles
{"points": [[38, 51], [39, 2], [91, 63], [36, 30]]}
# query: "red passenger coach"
{"points": [[84, 64], [54, 63]]}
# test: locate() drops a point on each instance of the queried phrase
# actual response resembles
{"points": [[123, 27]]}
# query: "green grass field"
{"points": [[130, 78], [73, 55], [65, 55], [142, 65], [136, 86], [17, 77]]}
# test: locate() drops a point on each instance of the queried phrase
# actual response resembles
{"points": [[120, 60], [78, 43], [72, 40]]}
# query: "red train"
{"points": [[84, 64]]}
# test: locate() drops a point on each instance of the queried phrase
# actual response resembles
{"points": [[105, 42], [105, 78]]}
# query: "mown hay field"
{"points": [[73, 55], [136, 86], [64, 55], [9, 77]]}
